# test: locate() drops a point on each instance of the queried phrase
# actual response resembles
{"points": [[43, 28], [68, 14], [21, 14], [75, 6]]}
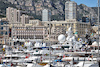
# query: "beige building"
{"points": [[35, 22], [95, 28], [13, 15], [35, 29], [29, 31], [63, 26], [4, 31], [24, 19], [57, 30]]}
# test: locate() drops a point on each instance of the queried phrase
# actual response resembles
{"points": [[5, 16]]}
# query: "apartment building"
{"points": [[46, 15], [4, 31], [29, 32], [24, 19], [13, 15], [70, 10]]}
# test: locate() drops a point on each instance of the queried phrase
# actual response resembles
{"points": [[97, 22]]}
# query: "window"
{"points": [[66, 24], [2, 33], [1, 40], [1, 23], [1, 28], [6, 33]]}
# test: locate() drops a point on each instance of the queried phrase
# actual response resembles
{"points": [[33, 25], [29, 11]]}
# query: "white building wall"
{"points": [[46, 15], [70, 10]]}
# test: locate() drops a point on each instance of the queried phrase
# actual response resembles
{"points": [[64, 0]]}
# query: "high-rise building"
{"points": [[46, 15], [13, 15], [24, 19], [70, 10]]}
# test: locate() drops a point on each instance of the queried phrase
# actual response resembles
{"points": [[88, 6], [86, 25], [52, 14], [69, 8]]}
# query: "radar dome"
{"points": [[61, 38]]}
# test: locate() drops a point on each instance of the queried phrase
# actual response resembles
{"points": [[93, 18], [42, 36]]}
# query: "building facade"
{"points": [[78, 27], [29, 32], [13, 15], [57, 30], [35, 22], [70, 10], [46, 15], [4, 31], [95, 28], [24, 19]]}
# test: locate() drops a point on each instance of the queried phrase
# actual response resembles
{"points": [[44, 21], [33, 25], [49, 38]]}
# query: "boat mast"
{"points": [[98, 28], [98, 37], [49, 43]]}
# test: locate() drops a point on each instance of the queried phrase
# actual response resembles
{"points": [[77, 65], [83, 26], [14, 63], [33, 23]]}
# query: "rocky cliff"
{"points": [[85, 11], [57, 7]]}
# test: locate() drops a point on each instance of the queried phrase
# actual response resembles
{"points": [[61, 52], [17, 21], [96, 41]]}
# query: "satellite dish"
{"points": [[61, 38]]}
